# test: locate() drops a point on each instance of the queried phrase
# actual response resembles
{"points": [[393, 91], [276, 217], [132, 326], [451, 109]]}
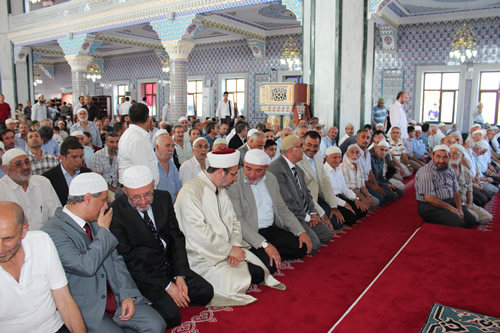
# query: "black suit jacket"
{"points": [[56, 177], [235, 142], [151, 268]]}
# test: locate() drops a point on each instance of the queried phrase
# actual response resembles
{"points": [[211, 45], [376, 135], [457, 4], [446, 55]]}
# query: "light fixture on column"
{"points": [[37, 79], [463, 45], [94, 73], [35, 1], [166, 65], [290, 55]]}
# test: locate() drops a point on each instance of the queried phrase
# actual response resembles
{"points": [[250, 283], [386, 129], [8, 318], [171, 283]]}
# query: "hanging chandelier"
{"points": [[166, 65], [37, 79], [463, 45], [290, 55], [94, 73]]}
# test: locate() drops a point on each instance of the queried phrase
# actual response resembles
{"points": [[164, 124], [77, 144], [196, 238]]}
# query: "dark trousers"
{"points": [[326, 207], [63, 329], [256, 272], [200, 293], [377, 195], [479, 198], [441, 216], [359, 212], [284, 241]]}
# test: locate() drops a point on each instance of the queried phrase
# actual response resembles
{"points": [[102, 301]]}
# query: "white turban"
{"points": [[384, 143], [333, 150], [11, 154], [225, 158], [76, 133], [8, 121], [441, 124], [183, 119], [137, 176], [89, 182], [459, 147], [354, 145], [418, 128], [257, 157]]}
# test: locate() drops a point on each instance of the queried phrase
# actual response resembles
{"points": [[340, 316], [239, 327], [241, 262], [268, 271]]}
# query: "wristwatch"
{"points": [[264, 244], [357, 198]]}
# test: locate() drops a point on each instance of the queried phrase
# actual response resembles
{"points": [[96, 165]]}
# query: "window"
{"points": [[122, 90], [489, 95], [149, 91], [236, 92], [440, 97], [195, 98]]}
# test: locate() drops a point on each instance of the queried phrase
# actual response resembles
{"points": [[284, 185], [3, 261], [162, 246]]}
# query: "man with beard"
{"points": [[397, 114], [438, 196], [153, 247], [198, 162], [213, 233], [33, 193], [86, 125], [92, 109], [464, 178], [379, 168], [105, 163], [32, 280], [39, 110], [40, 160], [169, 174]]}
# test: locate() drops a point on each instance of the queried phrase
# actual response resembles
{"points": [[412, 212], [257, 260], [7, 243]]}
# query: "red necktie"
{"points": [[111, 305]]}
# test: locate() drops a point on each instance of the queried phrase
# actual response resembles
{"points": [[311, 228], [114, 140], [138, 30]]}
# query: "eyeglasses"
{"points": [[19, 164], [146, 196], [226, 171], [202, 147], [299, 147]]}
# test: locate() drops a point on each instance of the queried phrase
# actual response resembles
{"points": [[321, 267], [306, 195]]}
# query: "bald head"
{"points": [[12, 212]]}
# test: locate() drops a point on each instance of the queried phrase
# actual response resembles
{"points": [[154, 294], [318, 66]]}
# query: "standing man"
{"points": [[91, 109], [27, 111], [169, 174], [39, 110], [438, 192], [97, 275], [4, 112], [379, 114], [154, 248], [80, 104], [105, 163], [86, 125], [125, 108], [398, 114], [183, 147], [225, 111], [165, 111]]}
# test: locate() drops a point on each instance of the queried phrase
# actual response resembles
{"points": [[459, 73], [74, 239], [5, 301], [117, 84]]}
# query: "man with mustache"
{"points": [[34, 194], [85, 125], [169, 174], [198, 162], [40, 160], [105, 163]]}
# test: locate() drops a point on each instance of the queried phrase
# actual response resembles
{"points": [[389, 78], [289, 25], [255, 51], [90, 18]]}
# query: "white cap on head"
{"points": [[220, 141], [257, 157], [80, 109], [225, 158], [159, 132], [183, 119], [333, 150], [475, 125], [76, 133], [456, 133], [418, 128], [480, 131], [379, 125], [89, 182], [137, 176], [11, 154], [411, 121], [198, 140], [383, 143], [441, 147], [8, 121], [441, 124], [459, 147], [251, 132], [2, 146], [482, 143], [354, 145]]}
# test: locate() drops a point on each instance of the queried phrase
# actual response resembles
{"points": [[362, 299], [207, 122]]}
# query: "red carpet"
{"points": [[451, 266], [322, 288], [492, 207]]}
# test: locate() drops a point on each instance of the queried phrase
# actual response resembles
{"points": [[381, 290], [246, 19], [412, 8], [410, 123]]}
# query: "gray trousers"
{"points": [[144, 320], [319, 234]]}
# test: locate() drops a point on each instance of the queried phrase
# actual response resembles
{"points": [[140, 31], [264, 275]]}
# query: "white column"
{"points": [[78, 64], [370, 51]]}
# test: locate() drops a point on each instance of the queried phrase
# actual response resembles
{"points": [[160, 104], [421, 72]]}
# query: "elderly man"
{"points": [[32, 280], [435, 136], [22, 137], [39, 110], [295, 193], [464, 178], [354, 176], [40, 160], [266, 222], [351, 206], [213, 233], [379, 169], [256, 140], [97, 275], [397, 114], [198, 162], [397, 150], [169, 174], [134, 147], [349, 131], [412, 157], [329, 140], [182, 147], [86, 125], [419, 148], [301, 130], [71, 166], [219, 144], [153, 247], [105, 163], [33, 193], [286, 132], [438, 193]]}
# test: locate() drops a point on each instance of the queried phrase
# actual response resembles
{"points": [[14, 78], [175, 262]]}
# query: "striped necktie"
{"points": [[302, 194]]}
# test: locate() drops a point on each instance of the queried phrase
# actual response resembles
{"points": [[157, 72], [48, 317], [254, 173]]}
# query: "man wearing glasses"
{"points": [[34, 194], [153, 247], [192, 167]]}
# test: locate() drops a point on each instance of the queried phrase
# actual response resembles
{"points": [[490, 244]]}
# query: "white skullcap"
{"points": [[384, 144], [482, 143], [198, 140], [251, 132], [475, 125], [80, 109], [379, 125], [456, 133], [89, 182], [441, 147], [76, 133], [418, 128], [11, 154], [479, 131], [257, 157], [137, 176], [225, 158], [411, 121], [158, 133], [441, 124], [219, 141], [355, 145], [183, 119], [333, 150], [8, 121], [2, 145], [459, 147]]}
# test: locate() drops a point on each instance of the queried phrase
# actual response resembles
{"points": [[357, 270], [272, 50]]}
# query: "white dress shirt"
{"points": [[338, 183], [265, 211], [398, 119], [190, 169], [134, 148], [38, 112], [225, 109], [124, 108]]}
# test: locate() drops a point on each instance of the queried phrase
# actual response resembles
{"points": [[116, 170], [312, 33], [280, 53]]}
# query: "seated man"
{"points": [[214, 243], [40, 160], [169, 175], [153, 247], [32, 281], [220, 143], [354, 176], [438, 193], [105, 162], [88, 152], [71, 166], [33, 193], [97, 275], [347, 200], [192, 167], [295, 193], [256, 140], [397, 150], [268, 226], [379, 168]]}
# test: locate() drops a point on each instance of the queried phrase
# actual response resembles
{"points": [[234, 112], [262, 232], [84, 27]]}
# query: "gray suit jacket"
{"points": [[246, 209], [89, 264], [289, 189], [243, 150]]}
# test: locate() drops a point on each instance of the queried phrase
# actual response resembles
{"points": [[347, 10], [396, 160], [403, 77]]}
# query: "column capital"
{"points": [[20, 54], [178, 49], [258, 48], [84, 44], [78, 62]]}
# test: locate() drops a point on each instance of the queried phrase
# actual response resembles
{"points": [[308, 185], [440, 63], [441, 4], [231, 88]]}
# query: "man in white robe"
{"points": [[213, 234]]}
